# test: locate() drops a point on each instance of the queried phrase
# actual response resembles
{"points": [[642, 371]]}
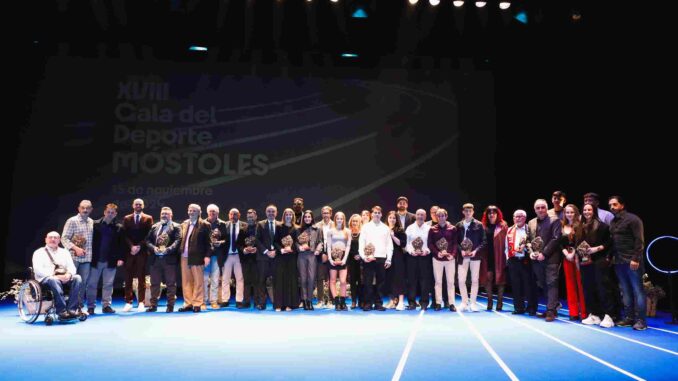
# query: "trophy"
{"points": [[521, 254], [369, 250], [582, 251], [215, 236], [534, 247], [78, 240], [466, 245], [570, 253], [287, 242], [338, 250], [303, 239], [250, 241], [162, 241], [418, 244], [441, 244]]}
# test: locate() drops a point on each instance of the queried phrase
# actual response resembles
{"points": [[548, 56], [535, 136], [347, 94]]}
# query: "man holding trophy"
{"points": [[442, 242], [519, 265], [472, 240], [213, 271], [375, 248], [77, 238], [162, 242], [418, 261]]}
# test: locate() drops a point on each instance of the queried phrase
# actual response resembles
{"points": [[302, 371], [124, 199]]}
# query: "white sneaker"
{"points": [[474, 307], [329, 305], [463, 307], [607, 322], [320, 305], [400, 307], [389, 305], [141, 307], [127, 308], [591, 320]]}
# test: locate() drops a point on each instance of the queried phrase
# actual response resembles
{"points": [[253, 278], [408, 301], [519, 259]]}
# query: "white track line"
{"points": [[408, 347], [487, 346]]}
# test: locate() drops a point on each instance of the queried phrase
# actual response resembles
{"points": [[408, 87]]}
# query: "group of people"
{"points": [[404, 256]]}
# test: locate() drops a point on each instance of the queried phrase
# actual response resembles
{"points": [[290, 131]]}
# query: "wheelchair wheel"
{"points": [[49, 320], [30, 301]]}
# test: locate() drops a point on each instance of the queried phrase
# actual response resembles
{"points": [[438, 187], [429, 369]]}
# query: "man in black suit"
{"points": [[136, 227], [406, 218], [107, 247], [267, 248], [163, 242], [236, 231], [248, 259]]}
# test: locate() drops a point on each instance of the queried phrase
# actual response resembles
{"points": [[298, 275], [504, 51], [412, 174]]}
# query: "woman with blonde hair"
{"points": [[355, 223], [338, 245]]}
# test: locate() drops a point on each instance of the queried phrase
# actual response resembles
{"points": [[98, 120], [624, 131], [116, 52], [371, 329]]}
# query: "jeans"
{"points": [[96, 272], [58, 291], [631, 284], [82, 269]]}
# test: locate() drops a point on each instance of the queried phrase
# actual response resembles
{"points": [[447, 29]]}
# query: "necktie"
{"points": [[232, 237], [136, 217], [271, 232]]}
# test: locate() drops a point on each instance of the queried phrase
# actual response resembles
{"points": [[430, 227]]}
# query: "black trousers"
{"points": [[265, 269], [419, 273], [354, 279], [161, 270], [522, 284], [250, 277], [595, 294], [372, 269]]}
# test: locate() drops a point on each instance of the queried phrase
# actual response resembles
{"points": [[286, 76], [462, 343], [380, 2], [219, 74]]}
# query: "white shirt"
{"points": [[380, 237], [237, 231], [413, 231], [326, 228], [188, 238], [43, 266], [605, 216]]}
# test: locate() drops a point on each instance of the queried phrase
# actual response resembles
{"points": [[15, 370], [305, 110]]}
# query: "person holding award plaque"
{"points": [[471, 240], [286, 288], [218, 235], [545, 261], [77, 238], [248, 260], [136, 226], [309, 245], [163, 243], [418, 261], [376, 249], [519, 264], [442, 242], [338, 242], [597, 234], [571, 243], [196, 250], [395, 275], [493, 268], [354, 264]]}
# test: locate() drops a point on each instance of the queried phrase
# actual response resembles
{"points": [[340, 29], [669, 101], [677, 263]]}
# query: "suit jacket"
{"points": [[218, 251], [135, 234], [476, 233], [172, 251], [199, 243], [117, 243], [549, 233], [249, 231], [241, 234], [264, 239], [410, 218]]}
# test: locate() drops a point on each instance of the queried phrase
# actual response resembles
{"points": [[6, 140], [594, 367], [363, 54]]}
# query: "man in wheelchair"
{"points": [[54, 268]]}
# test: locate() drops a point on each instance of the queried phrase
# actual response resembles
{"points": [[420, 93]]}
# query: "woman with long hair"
{"points": [[493, 268], [309, 244], [355, 223], [395, 275], [286, 288], [597, 234], [571, 237], [338, 244]]}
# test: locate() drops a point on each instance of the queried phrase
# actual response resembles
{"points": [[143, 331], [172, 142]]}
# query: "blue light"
{"points": [[522, 17], [194, 48], [349, 55], [359, 14]]}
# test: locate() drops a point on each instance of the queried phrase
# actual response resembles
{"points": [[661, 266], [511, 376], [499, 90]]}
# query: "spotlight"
{"points": [[481, 4], [503, 4], [458, 3], [413, 2], [195, 48], [334, 1], [434, 2]]}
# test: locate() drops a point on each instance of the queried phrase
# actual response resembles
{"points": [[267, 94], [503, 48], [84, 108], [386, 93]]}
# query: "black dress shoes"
{"points": [[186, 309]]}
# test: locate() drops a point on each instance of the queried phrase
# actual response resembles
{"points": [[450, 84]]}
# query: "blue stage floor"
{"points": [[329, 345]]}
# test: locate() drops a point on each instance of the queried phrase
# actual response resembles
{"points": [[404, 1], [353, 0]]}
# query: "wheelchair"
{"points": [[35, 299]]}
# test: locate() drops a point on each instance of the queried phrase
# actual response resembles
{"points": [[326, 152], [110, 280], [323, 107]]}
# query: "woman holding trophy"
{"points": [[309, 246], [338, 242], [571, 242], [286, 289], [395, 275], [354, 264]]}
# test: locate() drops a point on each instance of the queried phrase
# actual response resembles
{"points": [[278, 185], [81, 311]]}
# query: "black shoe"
{"points": [[574, 318], [337, 304], [418, 305], [424, 307], [379, 307], [238, 305], [640, 325], [532, 312], [246, 305], [518, 312], [169, 309], [108, 310], [65, 315], [196, 309], [446, 305], [453, 308], [626, 322], [90, 311], [152, 309], [224, 305], [541, 315], [74, 313], [436, 307], [411, 307], [186, 309], [342, 304], [261, 307], [310, 305], [367, 307]]}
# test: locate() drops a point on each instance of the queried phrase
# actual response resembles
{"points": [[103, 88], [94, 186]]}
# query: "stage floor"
{"points": [[329, 345]]}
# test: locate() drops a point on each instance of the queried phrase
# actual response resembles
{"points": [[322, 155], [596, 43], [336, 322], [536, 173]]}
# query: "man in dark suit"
{"points": [[195, 251], [406, 218], [107, 247], [163, 243], [266, 248], [236, 231], [248, 260], [136, 227]]}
